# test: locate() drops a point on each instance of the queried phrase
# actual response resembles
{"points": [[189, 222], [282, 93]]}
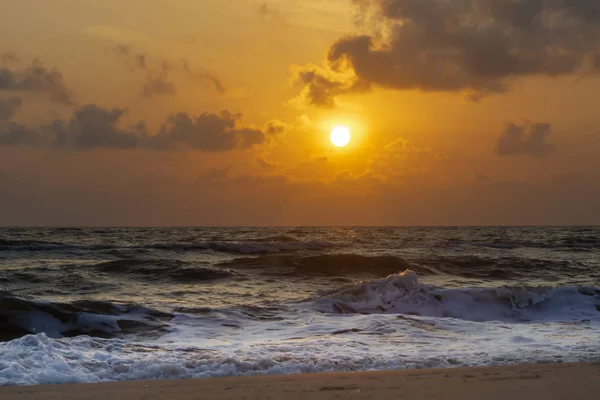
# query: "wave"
{"points": [[276, 239], [325, 265], [21, 316], [161, 270], [501, 268], [584, 243], [38, 359], [356, 265], [404, 294], [16, 244], [260, 246]]}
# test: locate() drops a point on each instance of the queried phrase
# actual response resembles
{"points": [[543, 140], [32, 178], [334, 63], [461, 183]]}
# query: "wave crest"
{"points": [[404, 294]]}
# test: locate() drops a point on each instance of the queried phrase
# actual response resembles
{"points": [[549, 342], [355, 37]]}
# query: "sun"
{"points": [[340, 136]]}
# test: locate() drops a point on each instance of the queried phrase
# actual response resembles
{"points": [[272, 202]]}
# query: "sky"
{"points": [[218, 112]]}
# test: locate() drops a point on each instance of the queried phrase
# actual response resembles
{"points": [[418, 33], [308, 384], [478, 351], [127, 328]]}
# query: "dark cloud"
{"points": [[208, 132], [36, 78], [9, 107], [158, 76], [92, 126], [321, 86], [472, 46], [525, 140], [12, 133], [18, 135]]}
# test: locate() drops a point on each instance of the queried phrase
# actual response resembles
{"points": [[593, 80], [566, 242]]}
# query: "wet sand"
{"points": [[557, 381]]}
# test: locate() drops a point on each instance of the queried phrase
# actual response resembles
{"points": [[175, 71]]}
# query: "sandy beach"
{"points": [[560, 381]]}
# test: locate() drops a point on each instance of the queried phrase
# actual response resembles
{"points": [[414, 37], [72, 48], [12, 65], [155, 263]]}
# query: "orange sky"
{"points": [[478, 112]]}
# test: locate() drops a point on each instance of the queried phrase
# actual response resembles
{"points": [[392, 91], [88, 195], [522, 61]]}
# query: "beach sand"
{"points": [[560, 381]]}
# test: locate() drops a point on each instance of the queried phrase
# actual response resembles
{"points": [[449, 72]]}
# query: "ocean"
{"points": [[114, 304]]}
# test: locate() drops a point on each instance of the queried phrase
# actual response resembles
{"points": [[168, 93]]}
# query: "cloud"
{"points": [[208, 132], [17, 135], [8, 58], [473, 46], [159, 84], [367, 177], [158, 75], [319, 159], [270, 13], [320, 86], [204, 77], [525, 140], [267, 10], [92, 127], [275, 127], [9, 107], [399, 144], [37, 79], [267, 164]]}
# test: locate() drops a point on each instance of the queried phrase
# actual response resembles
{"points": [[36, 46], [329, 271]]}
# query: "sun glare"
{"points": [[340, 136]]}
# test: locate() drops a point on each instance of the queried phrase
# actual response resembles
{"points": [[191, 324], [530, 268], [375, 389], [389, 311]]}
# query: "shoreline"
{"points": [[548, 381]]}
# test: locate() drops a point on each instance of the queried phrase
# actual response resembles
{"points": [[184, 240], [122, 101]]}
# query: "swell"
{"points": [[24, 316], [323, 265], [356, 265], [582, 243], [258, 246], [161, 270], [502, 268], [404, 294]]}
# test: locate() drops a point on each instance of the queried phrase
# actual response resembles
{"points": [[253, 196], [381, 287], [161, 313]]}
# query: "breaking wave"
{"points": [[20, 317], [404, 294], [38, 359]]}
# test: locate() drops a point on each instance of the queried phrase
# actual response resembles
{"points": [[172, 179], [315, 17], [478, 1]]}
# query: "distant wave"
{"points": [[260, 246], [276, 239], [495, 268], [325, 265], [12, 244], [21, 316], [573, 243], [161, 270], [404, 294]]}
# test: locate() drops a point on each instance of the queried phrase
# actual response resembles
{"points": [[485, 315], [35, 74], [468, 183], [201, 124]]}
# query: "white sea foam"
{"points": [[376, 342], [455, 327], [404, 294]]}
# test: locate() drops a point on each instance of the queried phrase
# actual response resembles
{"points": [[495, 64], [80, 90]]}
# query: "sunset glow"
{"points": [[228, 112], [199, 188]]}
